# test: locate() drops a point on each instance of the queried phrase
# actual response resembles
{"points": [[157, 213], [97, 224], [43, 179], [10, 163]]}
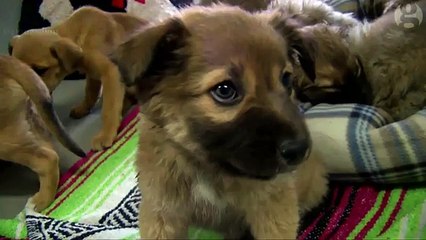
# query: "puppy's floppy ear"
{"points": [[68, 54], [301, 45], [151, 54]]}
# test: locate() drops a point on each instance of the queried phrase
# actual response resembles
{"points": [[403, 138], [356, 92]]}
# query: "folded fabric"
{"points": [[358, 144]]}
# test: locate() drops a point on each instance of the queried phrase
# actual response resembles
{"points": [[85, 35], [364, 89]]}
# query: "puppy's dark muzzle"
{"points": [[260, 144], [289, 154], [293, 152]]}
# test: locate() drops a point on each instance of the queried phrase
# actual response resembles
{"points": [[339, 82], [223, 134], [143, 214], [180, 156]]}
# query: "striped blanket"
{"points": [[98, 197], [359, 144]]}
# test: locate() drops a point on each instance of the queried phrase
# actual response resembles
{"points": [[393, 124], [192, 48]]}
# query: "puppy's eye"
{"points": [[40, 70], [286, 79], [225, 93]]}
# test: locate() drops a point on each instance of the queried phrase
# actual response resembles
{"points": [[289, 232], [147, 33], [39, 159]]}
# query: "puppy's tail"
{"points": [[38, 92]]}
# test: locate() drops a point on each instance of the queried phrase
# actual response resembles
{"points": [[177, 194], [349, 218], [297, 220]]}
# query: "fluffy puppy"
{"points": [[389, 69], [222, 144], [82, 43], [393, 58], [27, 120], [326, 71], [320, 57]]}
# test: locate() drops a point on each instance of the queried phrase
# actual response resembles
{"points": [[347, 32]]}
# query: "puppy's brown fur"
{"points": [[82, 43], [221, 165], [309, 26], [326, 70], [393, 58], [389, 74], [27, 119]]}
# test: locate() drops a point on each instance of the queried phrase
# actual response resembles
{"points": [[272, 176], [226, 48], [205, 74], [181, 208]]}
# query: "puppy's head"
{"points": [[337, 75], [325, 70], [50, 55], [216, 81]]}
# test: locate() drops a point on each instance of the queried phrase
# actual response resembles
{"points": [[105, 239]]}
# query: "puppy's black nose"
{"points": [[293, 151]]}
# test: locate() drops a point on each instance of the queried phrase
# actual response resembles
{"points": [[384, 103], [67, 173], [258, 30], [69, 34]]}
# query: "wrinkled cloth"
{"points": [[359, 144]]}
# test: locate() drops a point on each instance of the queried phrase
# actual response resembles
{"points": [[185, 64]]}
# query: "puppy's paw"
{"points": [[79, 111], [103, 140], [41, 201]]}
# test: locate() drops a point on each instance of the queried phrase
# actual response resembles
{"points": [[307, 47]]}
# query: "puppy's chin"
{"points": [[262, 173]]}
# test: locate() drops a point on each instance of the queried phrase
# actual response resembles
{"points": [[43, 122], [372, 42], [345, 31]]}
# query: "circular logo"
{"points": [[408, 16]]}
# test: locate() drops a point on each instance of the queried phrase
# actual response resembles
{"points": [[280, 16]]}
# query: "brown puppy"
{"points": [[326, 71], [82, 43], [27, 119], [321, 59], [389, 72], [393, 58], [220, 136]]}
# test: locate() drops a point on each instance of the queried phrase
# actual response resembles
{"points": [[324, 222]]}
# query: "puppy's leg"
{"points": [[98, 64], [43, 161], [277, 218], [157, 224], [311, 183], [93, 89]]}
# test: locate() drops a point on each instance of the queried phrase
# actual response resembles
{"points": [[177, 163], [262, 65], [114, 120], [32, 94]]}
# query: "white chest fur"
{"points": [[203, 191]]}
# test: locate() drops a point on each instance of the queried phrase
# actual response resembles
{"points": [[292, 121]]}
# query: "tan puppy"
{"points": [[220, 136], [82, 43], [27, 119]]}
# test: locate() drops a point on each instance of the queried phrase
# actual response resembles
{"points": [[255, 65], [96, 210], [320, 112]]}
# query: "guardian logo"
{"points": [[408, 16]]}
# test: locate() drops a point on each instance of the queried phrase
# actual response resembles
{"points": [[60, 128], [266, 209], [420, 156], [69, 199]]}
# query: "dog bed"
{"points": [[98, 197], [362, 145]]}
